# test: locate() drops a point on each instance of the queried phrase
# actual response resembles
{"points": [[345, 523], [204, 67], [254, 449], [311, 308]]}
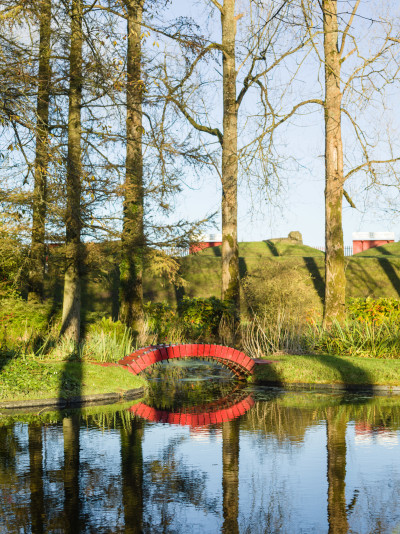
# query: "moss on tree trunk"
{"points": [[335, 281], [230, 252], [38, 248], [131, 268], [73, 253]]}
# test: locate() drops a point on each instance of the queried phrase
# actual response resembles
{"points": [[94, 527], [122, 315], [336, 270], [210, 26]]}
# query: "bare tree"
{"points": [[132, 237], [38, 252], [346, 90], [251, 78], [73, 218]]}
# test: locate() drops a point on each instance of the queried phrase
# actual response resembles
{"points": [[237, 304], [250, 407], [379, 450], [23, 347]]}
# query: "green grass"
{"points": [[374, 273], [392, 249], [30, 379], [326, 369], [266, 249]]}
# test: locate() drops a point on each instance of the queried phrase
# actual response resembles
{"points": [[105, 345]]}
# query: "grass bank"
{"points": [[23, 379], [329, 369]]}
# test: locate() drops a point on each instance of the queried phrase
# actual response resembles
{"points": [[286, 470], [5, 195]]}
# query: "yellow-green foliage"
{"points": [[275, 291], [374, 310]]}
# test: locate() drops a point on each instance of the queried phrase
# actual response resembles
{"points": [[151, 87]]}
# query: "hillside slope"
{"points": [[374, 273]]}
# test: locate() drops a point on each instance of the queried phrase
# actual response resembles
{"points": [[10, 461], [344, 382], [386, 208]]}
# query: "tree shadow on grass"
{"points": [[5, 356], [217, 251], [353, 377], [272, 247], [317, 280], [391, 273]]}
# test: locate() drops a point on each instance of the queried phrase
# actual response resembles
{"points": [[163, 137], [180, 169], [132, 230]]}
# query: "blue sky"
{"points": [[300, 202]]}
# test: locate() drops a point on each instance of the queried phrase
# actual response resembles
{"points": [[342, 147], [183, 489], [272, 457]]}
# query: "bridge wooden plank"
{"points": [[213, 349], [241, 357], [164, 353], [192, 350], [176, 353], [174, 418], [227, 353], [224, 416], [145, 359], [157, 355], [236, 355], [200, 349], [141, 364], [152, 356], [236, 411], [218, 351], [135, 368], [183, 349]]}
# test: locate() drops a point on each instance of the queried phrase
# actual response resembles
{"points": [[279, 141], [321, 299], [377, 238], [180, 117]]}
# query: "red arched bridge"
{"points": [[220, 411], [235, 360]]}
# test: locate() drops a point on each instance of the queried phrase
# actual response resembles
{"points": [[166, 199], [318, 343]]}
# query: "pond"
{"points": [[207, 456]]}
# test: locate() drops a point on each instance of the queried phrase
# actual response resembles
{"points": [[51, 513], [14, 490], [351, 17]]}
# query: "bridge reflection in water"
{"points": [[220, 411]]}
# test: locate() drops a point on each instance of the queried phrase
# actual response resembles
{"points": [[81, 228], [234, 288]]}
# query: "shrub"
{"points": [[161, 318], [275, 290], [373, 310], [201, 317]]}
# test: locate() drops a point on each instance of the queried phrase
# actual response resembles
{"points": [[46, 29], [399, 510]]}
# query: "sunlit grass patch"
{"points": [[31, 379], [329, 369]]}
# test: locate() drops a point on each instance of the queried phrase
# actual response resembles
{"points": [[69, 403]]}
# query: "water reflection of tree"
{"points": [[132, 475], [72, 502], [37, 510], [336, 423], [230, 476], [168, 481], [13, 487], [173, 394]]}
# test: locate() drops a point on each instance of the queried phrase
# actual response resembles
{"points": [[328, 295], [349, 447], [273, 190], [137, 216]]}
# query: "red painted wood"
{"points": [[135, 367], [235, 360]]}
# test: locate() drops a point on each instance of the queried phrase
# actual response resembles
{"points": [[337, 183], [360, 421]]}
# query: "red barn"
{"points": [[365, 240], [206, 241]]}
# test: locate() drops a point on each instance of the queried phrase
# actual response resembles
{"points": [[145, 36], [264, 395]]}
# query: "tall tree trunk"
{"points": [[132, 477], [230, 476], [72, 282], [38, 252], [335, 280], [72, 502], [336, 452], [131, 267], [230, 253], [36, 478]]}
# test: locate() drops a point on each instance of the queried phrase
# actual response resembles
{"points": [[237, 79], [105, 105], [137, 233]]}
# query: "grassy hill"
{"points": [[373, 273]]}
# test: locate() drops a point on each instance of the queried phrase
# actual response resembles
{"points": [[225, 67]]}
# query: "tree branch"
{"points": [[346, 31], [198, 126]]}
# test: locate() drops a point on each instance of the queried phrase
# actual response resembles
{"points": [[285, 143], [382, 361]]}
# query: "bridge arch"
{"points": [[233, 359]]}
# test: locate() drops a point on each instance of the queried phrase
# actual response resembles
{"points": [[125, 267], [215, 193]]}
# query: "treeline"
{"points": [[106, 105]]}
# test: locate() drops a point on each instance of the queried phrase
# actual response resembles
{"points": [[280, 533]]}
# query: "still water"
{"points": [[205, 456]]}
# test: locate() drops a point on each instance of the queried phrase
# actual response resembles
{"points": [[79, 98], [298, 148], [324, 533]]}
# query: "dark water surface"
{"points": [[205, 456]]}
